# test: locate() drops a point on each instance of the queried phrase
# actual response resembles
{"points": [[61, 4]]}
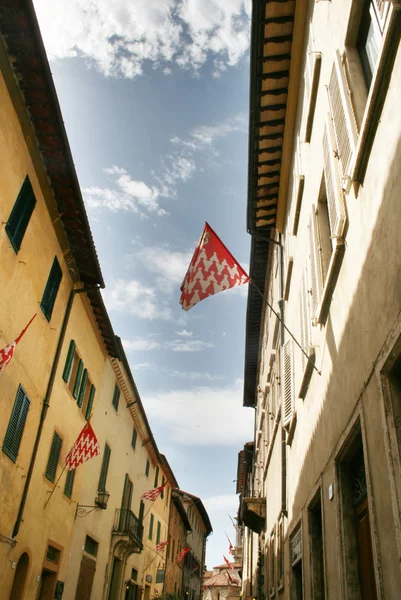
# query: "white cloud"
{"points": [[190, 375], [169, 266], [118, 37], [134, 298], [140, 344], [203, 416], [185, 333], [188, 346]]}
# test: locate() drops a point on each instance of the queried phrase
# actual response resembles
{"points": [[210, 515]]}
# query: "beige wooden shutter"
{"points": [[334, 193], [311, 76], [342, 114], [316, 276], [287, 383], [304, 318]]}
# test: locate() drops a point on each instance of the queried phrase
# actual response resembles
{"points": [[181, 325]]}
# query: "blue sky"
{"points": [[154, 94]]}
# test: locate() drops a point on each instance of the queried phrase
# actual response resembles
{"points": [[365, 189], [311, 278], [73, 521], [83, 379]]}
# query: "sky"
{"points": [[154, 96]]}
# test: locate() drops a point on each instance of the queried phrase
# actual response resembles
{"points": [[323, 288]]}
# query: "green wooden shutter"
{"points": [[156, 477], [134, 436], [158, 532], [82, 388], [141, 511], [78, 378], [54, 456], [69, 482], [147, 468], [90, 402], [68, 362], [151, 526], [15, 429], [51, 289], [116, 397], [104, 469], [20, 215], [163, 482]]}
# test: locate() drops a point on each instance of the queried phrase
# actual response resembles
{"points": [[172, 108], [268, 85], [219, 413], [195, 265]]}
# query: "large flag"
{"points": [[160, 546], [229, 565], [212, 269], [7, 353], [231, 547], [85, 448], [153, 493], [182, 554]]}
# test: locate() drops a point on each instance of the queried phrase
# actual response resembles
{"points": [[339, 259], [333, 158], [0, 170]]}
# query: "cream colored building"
{"points": [[320, 501], [49, 267], [194, 561], [179, 528]]}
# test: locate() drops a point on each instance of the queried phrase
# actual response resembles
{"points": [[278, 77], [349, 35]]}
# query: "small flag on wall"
{"points": [[85, 448], [212, 269], [153, 493], [7, 353], [182, 554], [160, 546], [231, 547], [229, 565]]}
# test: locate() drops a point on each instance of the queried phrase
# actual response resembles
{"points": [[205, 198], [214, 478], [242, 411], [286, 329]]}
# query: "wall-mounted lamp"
{"points": [[100, 504]]}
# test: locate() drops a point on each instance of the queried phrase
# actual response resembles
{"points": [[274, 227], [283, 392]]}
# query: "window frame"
{"points": [[116, 397], [54, 457], [69, 484], [104, 469], [16, 424], [51, 289]]}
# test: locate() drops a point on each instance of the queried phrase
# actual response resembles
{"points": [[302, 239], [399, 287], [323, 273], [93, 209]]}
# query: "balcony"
{"points": [[127, 531], [253, 513]]}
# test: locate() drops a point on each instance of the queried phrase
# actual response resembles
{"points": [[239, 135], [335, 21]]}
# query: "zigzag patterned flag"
{"points": [[160, 546], [153, 493], [182, 554], [85, 448], [212, 269], [7, 353]]}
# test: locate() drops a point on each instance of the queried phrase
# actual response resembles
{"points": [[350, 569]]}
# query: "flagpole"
{"points": [[54, 487], [285, 326]]}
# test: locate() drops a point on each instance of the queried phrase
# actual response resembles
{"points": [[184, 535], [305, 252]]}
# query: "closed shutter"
{"points": [[151, 526], [304, 318], [20, 215], [312, 73], [335, 199], [134, 437], [162, 492], [54, 456], [342, 114], [69, 360], [288, 391], [51, 289], [116, 397], [156, 477], [90, 402], [15, 429], [82, 388], [141, 511], [316, 275], [158, 532], [69, 483], [104, 469], [78, 377]]}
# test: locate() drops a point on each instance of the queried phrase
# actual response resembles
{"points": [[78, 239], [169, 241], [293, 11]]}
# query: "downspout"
{"points": [[46, 403], [283, 433]]}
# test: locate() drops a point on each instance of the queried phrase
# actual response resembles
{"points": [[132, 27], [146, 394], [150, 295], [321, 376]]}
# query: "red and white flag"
{"points": [[182, 554], [154, 493], [231, 547], [7, 353], [85, 448], [234, 525], [160, 546], [229, 565], [212, 269]]}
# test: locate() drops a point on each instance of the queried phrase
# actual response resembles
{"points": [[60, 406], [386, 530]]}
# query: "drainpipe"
{"points": [[283, 433], [46, 403]]}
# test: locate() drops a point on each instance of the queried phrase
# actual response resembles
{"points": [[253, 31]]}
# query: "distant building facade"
{"points": [[320, 493], [179, 528]]}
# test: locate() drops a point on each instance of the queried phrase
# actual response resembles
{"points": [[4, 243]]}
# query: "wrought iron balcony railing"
{"points": [[126, 523]]}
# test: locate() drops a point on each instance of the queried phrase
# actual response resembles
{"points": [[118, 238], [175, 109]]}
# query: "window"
{"points": [[316, 547], [296, 552], [51, 289], [156, 476], [116, 397], [272, 563], [162, 492], [369, 39], [78, 381], [280, 553], [141, 511], [104, 469], [147, 468], [288, 386], [91, 546], [305, 337], [20, 215], [151, 526], [69, 483], [15, 429], [311, 76], [54, 456], [158, 532], [134, 436]]}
